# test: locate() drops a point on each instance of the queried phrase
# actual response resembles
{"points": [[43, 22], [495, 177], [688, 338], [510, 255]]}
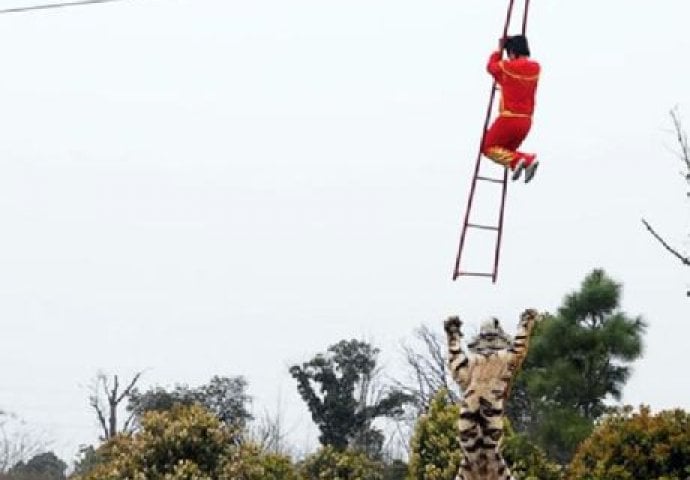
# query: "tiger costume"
{"points": [[484, 375]]}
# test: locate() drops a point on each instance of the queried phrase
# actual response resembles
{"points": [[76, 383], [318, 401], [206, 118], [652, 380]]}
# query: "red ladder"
{"points": [[467, 224]]}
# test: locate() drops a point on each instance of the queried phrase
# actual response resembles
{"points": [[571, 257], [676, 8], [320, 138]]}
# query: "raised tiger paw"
{"points": [[529, 316], [452, 325]]}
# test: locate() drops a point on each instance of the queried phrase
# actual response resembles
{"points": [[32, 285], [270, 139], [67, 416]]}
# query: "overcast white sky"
{"points": [[200, 187]]}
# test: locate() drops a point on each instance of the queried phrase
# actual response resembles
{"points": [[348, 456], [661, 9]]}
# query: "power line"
{"points": [[54, 5]]}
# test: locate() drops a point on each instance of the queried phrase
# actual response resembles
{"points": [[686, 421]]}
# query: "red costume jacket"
{"points": [[518, 82]]}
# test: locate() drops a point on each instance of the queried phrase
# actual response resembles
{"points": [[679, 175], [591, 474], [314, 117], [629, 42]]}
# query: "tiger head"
{"points": [[491, 338]]}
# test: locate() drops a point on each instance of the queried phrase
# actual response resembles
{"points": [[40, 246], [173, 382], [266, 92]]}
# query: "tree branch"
{"points": [[112, 396], [127, 427], [684, 260], [93, 400], [104, 383], [682, 138], [129, 388]]}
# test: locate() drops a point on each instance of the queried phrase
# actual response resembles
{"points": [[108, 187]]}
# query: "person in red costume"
{"points": [[517, 77]]}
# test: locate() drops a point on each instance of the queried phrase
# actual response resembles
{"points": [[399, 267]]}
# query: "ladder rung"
{"points": [[474, 274], [489, 179], [483, 227]]}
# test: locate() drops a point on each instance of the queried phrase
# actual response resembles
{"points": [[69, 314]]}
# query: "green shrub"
{"points": [[331, 464], [527, 461], [185, 443], [630, 445], [435, 448]]}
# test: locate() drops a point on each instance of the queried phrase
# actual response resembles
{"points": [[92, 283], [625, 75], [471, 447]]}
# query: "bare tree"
{"points": [[684, 156], [105, 399], [17, 444], [427, 369], [425, 358], [269, 431]]}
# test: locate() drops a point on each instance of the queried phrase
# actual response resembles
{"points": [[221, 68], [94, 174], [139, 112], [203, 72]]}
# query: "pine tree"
{"points": [[578, 358]]}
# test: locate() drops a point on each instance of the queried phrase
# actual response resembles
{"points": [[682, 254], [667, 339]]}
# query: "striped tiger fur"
{"points": [[484, 375]]}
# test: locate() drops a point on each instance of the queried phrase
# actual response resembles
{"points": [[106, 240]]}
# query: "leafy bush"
{"points": [[185, 443], [43, 466], [395, 470], [629, 445], [331, 464], [527, 461], [435, 447]]}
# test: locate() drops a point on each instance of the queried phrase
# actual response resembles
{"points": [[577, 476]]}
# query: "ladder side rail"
{"points": [[473, 186], [492, 96], [504, 193]]}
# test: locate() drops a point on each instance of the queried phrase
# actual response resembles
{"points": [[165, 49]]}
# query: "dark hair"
{"points": [[517, 45]]}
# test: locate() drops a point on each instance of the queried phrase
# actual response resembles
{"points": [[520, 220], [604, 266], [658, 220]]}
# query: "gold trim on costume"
{"points": [[500, 155], [532, 78], [508, 113]]}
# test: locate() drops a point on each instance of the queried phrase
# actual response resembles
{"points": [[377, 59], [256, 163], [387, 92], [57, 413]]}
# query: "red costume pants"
{"points": [[503, 139]]}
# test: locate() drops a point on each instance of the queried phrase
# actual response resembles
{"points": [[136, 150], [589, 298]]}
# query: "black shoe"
{"points": [[518, 169], [531, 170]]}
